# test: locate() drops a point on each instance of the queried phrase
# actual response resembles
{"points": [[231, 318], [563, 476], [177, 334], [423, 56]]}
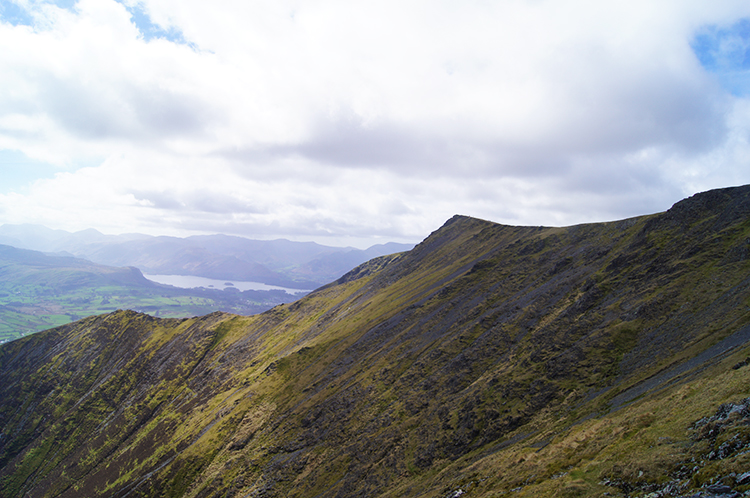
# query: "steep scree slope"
{"points": [[489, 358]]}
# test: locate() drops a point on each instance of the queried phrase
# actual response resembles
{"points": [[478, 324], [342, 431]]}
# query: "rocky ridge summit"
{"points": [[490, 360]]}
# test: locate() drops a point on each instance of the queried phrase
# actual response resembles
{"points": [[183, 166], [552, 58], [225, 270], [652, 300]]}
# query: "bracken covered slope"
{"points": [[490, 359]]}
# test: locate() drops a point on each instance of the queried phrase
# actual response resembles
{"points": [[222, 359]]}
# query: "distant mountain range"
{"points": [[607, 359], [284, 263]]}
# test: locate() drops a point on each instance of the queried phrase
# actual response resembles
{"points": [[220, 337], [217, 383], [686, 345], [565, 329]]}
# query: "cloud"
{"points": [[197, 201], [380, 119]]}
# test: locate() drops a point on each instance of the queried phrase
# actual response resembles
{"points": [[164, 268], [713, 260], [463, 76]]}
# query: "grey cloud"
{"points": [[659, 109], [348, 143], [198, 201], [396, 208], [211, 202], [312, 226], [611, 177], [685, 117], [81, 111], [159, 200], [168, 113], [617, 191], [122, 111], [679, 120]]}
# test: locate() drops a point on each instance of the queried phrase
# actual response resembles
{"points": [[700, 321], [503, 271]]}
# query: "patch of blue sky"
{"points": [[21, 13], [12, 13], [64, 4], [18, 171], [149, 29], [725, 52]]}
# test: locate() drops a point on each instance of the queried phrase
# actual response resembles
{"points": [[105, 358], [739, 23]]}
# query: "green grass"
{"points": [[25, 309]]}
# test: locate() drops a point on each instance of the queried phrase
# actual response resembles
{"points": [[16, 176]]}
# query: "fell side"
{"points": [[486, 360]]}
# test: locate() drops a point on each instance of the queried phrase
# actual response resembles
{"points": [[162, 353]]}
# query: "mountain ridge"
{"points": [[486, 361], [280, 262]]}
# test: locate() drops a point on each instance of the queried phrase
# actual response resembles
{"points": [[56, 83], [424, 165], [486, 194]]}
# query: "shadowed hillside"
{"points": [[488, 360]]}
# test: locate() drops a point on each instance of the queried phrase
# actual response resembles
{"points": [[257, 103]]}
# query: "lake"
{"points": [[191, 282]]}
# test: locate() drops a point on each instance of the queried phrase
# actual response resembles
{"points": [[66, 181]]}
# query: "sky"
{"points": [[355, 123]]}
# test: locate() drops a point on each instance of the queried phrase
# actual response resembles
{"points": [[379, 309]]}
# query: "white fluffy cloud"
{"points": [[332, 119]]}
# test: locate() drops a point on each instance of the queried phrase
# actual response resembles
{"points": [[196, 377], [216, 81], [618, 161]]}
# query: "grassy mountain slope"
{"points": [[488, 360]]}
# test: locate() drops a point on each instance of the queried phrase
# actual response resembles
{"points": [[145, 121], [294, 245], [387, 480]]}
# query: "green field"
{"points": [[28, 309]]}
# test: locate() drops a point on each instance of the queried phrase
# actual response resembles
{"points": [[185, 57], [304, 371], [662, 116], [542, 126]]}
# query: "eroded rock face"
{"points": [[728, 418], [720, 436]]}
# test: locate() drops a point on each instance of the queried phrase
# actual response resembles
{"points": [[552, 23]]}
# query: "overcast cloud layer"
{"points": [[360, 122]]}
